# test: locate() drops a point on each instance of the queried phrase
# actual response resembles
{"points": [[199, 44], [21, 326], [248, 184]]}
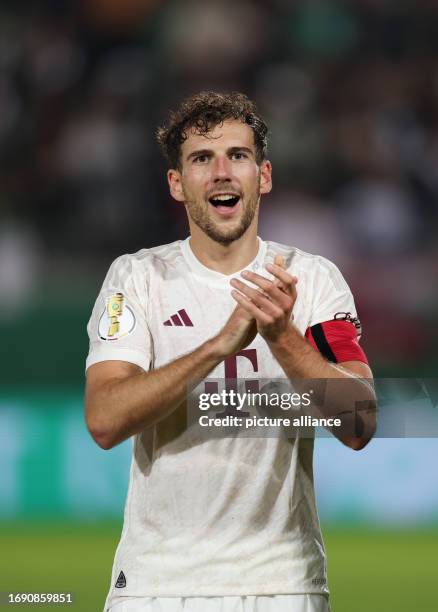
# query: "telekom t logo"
{"points": [[231, 374]]}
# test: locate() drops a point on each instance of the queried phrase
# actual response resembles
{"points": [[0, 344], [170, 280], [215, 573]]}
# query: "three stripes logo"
{"points": [[180, 319]]}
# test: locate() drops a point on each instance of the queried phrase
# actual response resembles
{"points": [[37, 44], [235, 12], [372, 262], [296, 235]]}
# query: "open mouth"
{"points": [[224, 201]]}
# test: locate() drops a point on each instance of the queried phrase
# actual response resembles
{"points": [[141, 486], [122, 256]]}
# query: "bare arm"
{"points": [[271, 305], [300, 360], [121, 399]]}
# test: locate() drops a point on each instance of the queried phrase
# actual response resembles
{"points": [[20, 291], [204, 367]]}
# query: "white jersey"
{"points": [[225, 517]]}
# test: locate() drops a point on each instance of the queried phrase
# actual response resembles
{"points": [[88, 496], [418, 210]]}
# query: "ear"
{"points": [[265, 176], [175, 185]]}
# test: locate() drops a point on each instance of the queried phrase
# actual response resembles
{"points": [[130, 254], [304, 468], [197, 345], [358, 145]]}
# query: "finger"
{"points": [[274, 290], [279, 261], [258, 298], [280, 273], [267, 285], [261, 281], [272, 295], [286, 281], [251, 308]]}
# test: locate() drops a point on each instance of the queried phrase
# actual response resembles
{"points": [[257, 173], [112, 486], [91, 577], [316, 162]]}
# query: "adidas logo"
{"points": [[121, 581], [180, 319]]}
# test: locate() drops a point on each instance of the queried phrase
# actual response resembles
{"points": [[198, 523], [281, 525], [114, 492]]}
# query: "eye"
{"points": [[239, 155], [201, 159]]}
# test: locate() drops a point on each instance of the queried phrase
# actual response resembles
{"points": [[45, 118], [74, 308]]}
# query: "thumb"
{"points": [[279, 261]]}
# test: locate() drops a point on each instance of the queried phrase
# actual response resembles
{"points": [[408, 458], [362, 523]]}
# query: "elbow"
{"points": [[357, 444], [102, 438], [105, 444], [365, 428], [103, 441], [101, 434]]}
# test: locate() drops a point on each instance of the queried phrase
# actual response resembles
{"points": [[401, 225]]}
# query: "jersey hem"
{"points": [[209, 592]]}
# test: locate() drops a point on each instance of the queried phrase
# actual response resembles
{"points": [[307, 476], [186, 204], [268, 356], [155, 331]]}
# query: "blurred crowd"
{"points": [[348, 88]]}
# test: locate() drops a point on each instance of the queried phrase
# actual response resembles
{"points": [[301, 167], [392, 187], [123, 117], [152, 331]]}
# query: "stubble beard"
{"points": [[199, 214]]}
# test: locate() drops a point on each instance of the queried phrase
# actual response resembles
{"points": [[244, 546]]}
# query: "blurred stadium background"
{"points": [[350, 91]]}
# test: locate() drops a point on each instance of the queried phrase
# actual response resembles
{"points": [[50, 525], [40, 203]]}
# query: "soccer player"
{"points": [[225, 524]]}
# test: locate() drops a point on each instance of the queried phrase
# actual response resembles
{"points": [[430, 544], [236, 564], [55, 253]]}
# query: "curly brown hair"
{"points": [[204, 111]]}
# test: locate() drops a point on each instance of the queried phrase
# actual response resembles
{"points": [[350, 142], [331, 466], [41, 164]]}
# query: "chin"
{"points": [[225, 238]]}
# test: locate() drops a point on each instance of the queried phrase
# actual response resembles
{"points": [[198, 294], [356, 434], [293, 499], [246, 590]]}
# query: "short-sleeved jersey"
{"points": [[229, 516]]}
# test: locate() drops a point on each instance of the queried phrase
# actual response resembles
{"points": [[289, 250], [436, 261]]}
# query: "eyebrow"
{"points": [[229, 151]]}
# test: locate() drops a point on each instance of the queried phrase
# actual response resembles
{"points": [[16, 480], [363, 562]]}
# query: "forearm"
{"points": [[352, 399], [299, 359], [122, 407], [271, 306]]}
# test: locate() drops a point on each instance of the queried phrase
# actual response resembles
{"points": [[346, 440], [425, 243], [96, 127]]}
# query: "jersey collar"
{"points": [[256, 265]]}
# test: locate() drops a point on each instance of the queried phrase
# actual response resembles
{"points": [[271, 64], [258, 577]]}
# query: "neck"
{"points": [[225, 259]]}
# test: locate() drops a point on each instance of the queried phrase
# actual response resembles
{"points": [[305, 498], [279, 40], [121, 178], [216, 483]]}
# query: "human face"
{"points": [[220, 181]]}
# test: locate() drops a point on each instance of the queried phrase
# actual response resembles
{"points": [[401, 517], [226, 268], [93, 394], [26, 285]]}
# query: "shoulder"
{"points": [[297, 259], [143, 260]]}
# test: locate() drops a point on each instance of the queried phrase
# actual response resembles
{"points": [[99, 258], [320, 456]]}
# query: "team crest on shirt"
{"points": [[117, 320]]}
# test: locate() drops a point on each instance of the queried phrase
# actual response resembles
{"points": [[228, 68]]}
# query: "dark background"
{"points": [[349, 90]]}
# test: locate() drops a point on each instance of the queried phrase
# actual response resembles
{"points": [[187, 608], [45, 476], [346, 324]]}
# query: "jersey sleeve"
{"points": [[118, 328], [334, 329]]}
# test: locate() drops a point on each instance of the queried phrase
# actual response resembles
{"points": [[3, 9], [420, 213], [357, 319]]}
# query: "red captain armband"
{"points": [[336, 340]]}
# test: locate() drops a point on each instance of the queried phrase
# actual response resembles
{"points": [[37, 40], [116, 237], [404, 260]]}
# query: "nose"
{"points": [[221, 169]]}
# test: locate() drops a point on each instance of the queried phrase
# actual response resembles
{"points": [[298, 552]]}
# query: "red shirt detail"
{"points": [[341, 336]]}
